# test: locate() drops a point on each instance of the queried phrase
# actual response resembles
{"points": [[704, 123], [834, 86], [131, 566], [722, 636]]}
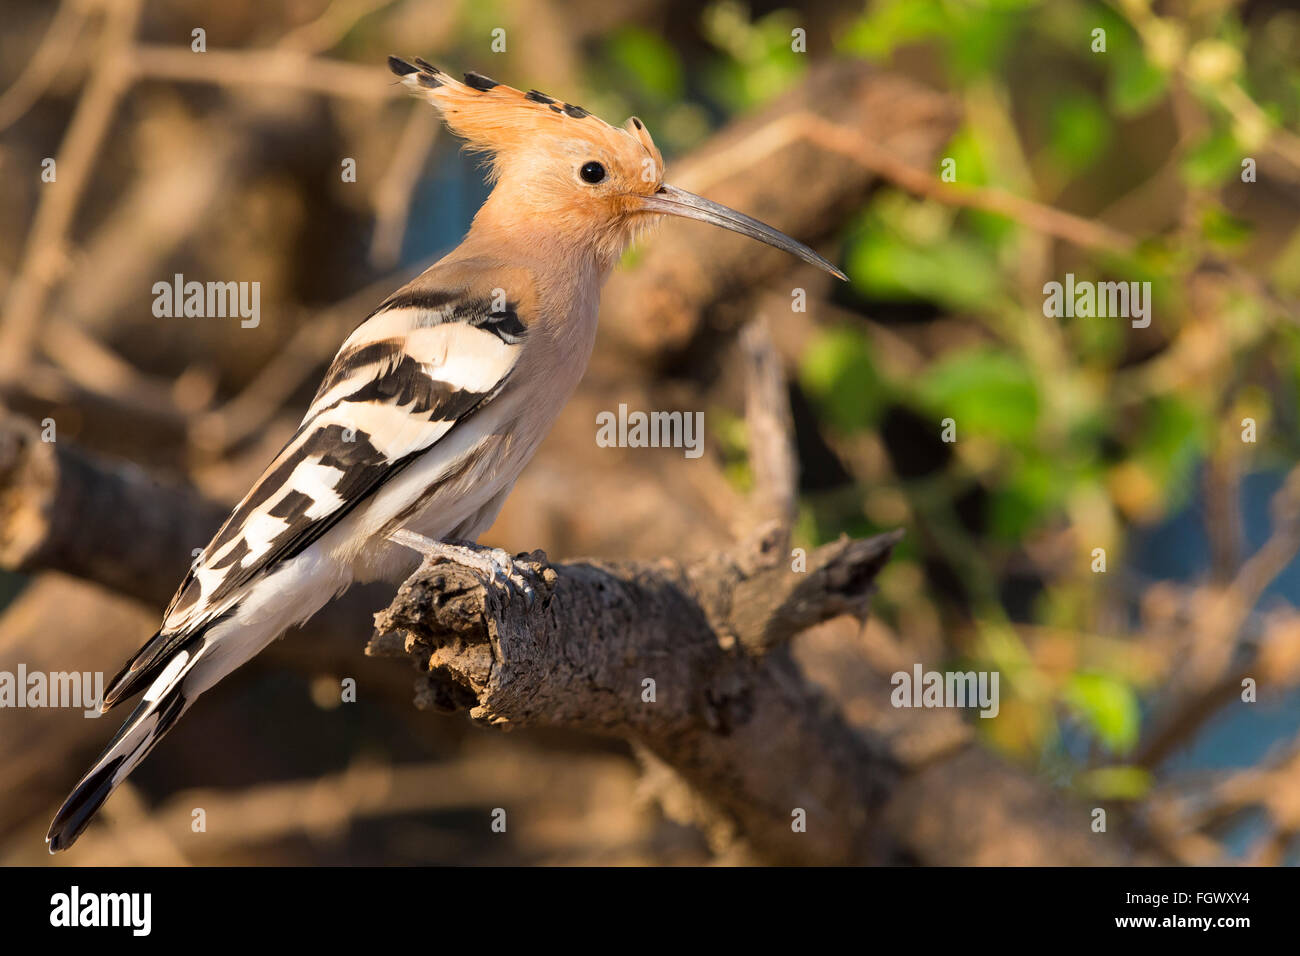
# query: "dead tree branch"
{"points": [[663, 654], [110, 523]]}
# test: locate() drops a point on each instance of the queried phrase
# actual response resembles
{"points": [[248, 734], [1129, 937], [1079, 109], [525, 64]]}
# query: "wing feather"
{"points": [[418, 367]]}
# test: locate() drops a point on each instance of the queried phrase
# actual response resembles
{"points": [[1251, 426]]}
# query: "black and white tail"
{"points": [[163, 704]]}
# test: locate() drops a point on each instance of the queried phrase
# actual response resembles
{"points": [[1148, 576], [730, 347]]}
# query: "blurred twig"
{"points": [[1215, 663], [44, 256], [334, 23], [770, 431], [275, 67], [55, 50], [1033, 215]]}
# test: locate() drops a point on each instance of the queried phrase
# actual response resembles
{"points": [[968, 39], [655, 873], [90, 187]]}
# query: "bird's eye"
{"points": [[592, 172]]}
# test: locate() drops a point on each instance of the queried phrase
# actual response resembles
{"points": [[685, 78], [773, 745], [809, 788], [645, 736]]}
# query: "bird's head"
{"points": [[555, 164]]}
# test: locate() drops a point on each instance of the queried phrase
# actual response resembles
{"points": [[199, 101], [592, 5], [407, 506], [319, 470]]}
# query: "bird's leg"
{"points": [[495, 563]]}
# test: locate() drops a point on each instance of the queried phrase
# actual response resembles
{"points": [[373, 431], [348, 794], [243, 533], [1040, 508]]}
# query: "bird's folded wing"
{"points": [[414, 370]]}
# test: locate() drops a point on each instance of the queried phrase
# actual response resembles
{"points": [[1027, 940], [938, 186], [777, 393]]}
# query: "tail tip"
{"points": [[59, 839], [75, 814]]}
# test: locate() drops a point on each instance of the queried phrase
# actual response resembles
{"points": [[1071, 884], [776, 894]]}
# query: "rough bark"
{"points": [[109, 522], [746, 731]]}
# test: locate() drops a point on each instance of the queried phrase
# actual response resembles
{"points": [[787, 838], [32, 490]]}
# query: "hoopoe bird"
{"points": [[429, 411]]}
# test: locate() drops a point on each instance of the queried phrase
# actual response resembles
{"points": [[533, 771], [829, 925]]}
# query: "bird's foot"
{"points": [[495, 564]]}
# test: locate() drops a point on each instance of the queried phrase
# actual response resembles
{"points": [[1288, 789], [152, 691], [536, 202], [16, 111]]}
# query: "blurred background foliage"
{"points": [[1068, 429], [1072, 434]]}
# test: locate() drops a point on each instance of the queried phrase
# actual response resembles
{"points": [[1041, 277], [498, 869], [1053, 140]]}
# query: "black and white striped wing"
{"points": [[404, 379]]}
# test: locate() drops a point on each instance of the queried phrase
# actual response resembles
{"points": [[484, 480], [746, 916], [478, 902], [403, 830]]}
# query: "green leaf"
{"points": [[952, 271], [985, 391], [1108, 705], [839, 376], [1224, 229], [979, 40], [1173, 434], [1025, 499], [1080, 130], [964, 149], [890, 24], [733, 442], [1121, 782], [1212, 160], [760, 61], [649, 60], [1136, 84]]}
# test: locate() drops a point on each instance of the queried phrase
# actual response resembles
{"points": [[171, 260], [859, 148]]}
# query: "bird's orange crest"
{"points": [[501, 120]]}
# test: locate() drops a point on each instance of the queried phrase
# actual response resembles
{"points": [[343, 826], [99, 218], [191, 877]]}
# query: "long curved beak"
{"points": [[671, 201]]}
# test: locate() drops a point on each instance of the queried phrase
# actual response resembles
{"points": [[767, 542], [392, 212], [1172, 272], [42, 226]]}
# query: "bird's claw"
{"points": [[495, 564], [506, 574]]}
